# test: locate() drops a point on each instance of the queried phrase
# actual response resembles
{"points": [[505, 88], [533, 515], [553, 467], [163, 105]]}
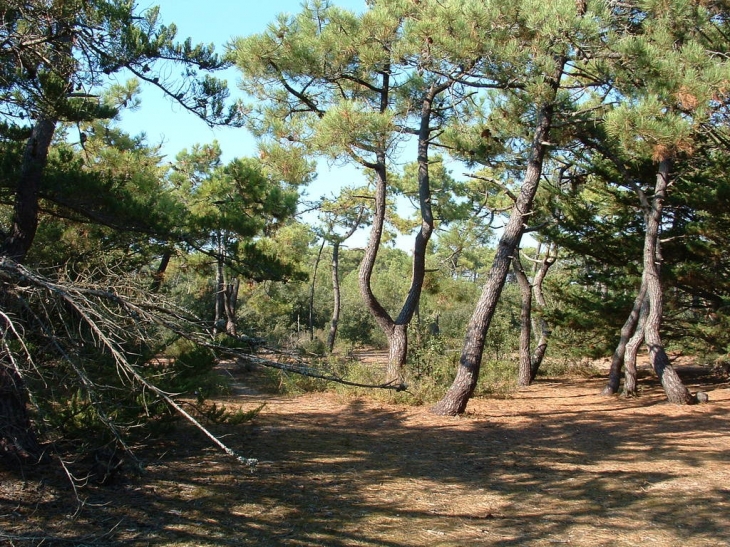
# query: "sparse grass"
{"points": [[568, 368]]}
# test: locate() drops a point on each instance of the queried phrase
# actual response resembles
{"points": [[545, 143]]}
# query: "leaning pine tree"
{"points": [[350, 86], [673, 84], [531, 61]]}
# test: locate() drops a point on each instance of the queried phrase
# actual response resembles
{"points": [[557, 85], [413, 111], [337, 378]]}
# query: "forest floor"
{"points": [[554, 463]]}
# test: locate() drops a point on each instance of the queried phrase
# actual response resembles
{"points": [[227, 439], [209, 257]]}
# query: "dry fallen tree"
{"points": [[57, 333]]}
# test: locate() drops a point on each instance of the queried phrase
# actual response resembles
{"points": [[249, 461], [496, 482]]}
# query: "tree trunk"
{"points": [[673, 387], [220, 291], [524, 370], [397, 330], [397, 352], [627, 331], [337, 296], [544, 330], [631, 351], [18, 441], [231, 300], [25, 213], [159, 276], [456, 398], [310, 319]]}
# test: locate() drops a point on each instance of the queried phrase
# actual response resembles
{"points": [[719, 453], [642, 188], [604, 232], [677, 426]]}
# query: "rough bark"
{"points": [[627, 331], [18, 440], [456, 398], [673, 387], [231, 301], [367, 264], [631, 351], [25, 212]]}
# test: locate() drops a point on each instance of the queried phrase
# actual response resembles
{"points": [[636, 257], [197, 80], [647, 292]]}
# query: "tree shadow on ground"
{"points": [[556, 463]]}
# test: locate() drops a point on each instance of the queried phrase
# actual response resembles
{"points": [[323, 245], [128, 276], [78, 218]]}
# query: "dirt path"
{"points": [[556, 464]]}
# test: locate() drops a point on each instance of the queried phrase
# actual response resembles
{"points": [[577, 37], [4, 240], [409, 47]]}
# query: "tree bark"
{"points": [[675, 390], [627, 331], [18, 441], [220, 289], [25, 212], [310, 319], [337, 305], [631, 351], [231, 301], [456, 398], [544, 330], [397, 330]]}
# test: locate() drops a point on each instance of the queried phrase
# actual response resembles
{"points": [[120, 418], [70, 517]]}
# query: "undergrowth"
{"points": [[430, 370]]}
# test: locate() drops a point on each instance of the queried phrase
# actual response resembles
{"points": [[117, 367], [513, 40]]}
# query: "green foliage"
{"points": [[57, 56], [498, 379], [314, 347], [221, 414]]}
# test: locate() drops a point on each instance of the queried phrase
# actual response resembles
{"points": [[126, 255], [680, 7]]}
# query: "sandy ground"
{"points": [[555, 464]]}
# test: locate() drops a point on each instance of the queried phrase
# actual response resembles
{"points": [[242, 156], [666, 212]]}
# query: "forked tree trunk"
{"points": [[18, 441], [632, 350], [456, 398], [627, 331], [675, 390], [544, 330], [396, 330]]}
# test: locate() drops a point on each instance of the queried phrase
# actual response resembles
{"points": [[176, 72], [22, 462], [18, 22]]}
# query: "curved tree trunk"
{"points": [[456, 398], [18, 440], [159, 275], [544, 330], [673, 387], [631, 350], [397, 330], [627, 331], [231, 301]]}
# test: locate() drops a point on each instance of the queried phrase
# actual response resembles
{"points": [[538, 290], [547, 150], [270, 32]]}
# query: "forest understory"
{"points": [[554, 463]]}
